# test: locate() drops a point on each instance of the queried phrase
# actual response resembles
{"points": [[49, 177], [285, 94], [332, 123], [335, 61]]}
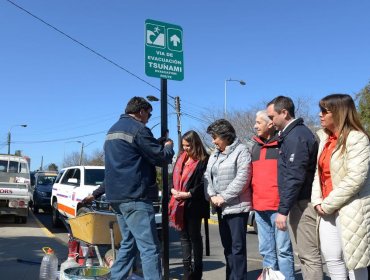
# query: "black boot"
{"points": [[196, 275], [187, 270]]}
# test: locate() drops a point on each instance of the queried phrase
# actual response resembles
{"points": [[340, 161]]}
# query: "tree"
{"points": [[243, 121], [303, 109], [97, 158], [52, 167], [363, 98], [71, 159]]}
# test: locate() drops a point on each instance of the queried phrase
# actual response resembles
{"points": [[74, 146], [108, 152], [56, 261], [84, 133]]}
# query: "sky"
{"points": [[66, 93]]}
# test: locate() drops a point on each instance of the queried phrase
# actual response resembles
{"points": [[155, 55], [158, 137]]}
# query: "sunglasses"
{"points": [[324, 111]]}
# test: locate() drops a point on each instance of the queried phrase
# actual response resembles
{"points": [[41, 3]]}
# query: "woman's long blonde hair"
{"points": [[345, 116]]}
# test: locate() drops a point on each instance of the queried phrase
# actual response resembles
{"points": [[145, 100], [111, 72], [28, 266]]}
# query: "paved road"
{"points": [[214, 265], [20, 248], [21, 253]]}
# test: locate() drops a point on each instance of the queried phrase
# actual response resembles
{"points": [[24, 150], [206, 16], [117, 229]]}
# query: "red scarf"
{"points": [[181, 175]]}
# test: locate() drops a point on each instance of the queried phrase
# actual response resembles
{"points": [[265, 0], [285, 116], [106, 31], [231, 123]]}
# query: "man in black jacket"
{"points": [[296, 168], [131, 154]]}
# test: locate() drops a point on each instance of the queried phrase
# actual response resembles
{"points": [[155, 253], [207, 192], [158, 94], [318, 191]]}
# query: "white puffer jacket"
{"points": [[233, 178], [350, 196]]}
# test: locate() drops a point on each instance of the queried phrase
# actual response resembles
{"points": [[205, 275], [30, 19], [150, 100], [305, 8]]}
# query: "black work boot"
{"points": [[187, 270]]}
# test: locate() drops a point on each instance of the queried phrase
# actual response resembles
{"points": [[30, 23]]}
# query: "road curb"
{"points": [[213, 220], [45, 230], [42, 227]]}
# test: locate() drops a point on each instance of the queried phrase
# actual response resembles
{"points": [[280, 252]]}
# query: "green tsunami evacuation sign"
{"points": [[164, 50]]}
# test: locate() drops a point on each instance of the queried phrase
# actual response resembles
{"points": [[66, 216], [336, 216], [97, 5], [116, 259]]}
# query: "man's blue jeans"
{"points": [[137, 223], [274, 245]]}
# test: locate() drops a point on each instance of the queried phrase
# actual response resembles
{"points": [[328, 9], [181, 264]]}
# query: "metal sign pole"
{"points": [[165, 234]]}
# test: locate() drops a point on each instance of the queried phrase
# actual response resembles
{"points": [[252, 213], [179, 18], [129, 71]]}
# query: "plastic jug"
{"points": [[49, 265], [70, 262]]}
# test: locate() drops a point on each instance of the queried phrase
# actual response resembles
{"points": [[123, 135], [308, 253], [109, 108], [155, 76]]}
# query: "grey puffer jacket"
{"points": [[233, 178]]}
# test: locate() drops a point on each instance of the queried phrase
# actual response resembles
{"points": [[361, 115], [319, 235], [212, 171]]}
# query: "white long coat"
{"points": [[350, 196]]}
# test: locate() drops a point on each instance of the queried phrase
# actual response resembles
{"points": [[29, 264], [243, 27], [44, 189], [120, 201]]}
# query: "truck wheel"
{"points": [[20, 219], [56, 222], [83, 210]]}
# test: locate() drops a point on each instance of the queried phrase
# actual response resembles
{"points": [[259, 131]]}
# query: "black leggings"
{"points": [[191, 241]]}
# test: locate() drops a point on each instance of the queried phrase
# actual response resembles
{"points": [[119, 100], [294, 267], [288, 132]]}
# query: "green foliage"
{"points": [[363, 98], [52, 167], [160, 180]]}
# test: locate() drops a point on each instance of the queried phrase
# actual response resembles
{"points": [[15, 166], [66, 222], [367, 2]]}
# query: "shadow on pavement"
{"points": [[24, 254]]}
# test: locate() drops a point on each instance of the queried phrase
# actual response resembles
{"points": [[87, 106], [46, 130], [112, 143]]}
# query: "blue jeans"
{"points": [[137, 223], [274, 245]]}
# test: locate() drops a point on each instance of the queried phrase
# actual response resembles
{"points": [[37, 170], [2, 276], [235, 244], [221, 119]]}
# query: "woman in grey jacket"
{"points": [[227, 181]]}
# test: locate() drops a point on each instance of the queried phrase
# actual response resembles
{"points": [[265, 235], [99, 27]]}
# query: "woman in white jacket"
{"points": [[227, 181], [341, 189]]}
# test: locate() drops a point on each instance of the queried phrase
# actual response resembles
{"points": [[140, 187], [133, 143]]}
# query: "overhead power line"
{"points": [[101, 56], [83, 45], [60, 139], [195, 118]]}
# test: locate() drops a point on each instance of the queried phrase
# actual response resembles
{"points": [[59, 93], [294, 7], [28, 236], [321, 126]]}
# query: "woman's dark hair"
{"points": [[223, 129], [136, 104], [283, 102], [197, 149], [345, 116]]}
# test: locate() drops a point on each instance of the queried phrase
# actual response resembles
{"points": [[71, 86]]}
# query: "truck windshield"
{"points": [[46, 180]]}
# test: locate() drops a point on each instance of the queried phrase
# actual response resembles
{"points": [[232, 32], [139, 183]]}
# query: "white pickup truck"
{"points": [[71, 186], [14, 187], [75, 183]]}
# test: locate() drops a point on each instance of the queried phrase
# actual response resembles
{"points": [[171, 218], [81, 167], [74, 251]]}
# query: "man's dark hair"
{"points": [[223, 129], [283, 102], [136, 104]]}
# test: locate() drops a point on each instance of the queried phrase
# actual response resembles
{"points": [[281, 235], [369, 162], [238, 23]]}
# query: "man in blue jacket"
{"points": [[296, 168], [131, 154]]}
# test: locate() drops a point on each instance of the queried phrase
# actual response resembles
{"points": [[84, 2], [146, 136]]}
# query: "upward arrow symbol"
{"points": [[175, 40]]}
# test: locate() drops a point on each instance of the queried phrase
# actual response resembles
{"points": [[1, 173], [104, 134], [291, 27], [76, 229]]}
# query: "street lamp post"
{"points": [[64, 153], [10, 136], [230, 80], [82, 149], [81, 153]]}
